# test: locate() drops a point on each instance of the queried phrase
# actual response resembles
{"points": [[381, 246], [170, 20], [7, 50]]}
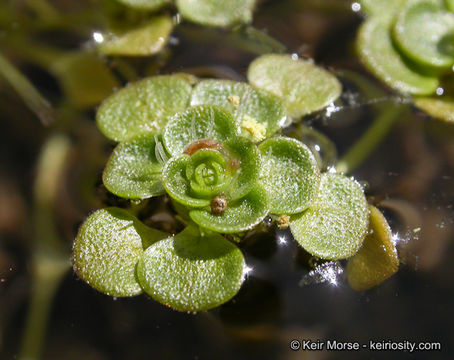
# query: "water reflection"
{"points": [[258, 302], [329, 272], [322, 147], [98, 37]]}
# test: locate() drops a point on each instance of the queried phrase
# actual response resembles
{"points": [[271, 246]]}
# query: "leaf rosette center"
{"points": [[208, 173]]}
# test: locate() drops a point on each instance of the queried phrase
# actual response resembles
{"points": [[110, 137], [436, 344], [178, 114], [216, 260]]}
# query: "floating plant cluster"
{"points": [[216, 148], [147, 25], [409, 45]]}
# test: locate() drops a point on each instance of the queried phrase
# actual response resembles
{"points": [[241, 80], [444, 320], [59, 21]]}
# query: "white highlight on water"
{"points": [[440, 91], [331, 109], [281, 240], [326, 273], [356, 7], [98, 37], [247, 270], [395, 238]]}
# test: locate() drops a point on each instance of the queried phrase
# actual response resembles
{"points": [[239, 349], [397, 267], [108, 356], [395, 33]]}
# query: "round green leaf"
{"points": [[440, 108], [143, 106], [133, 170], [215, 12], [85, 78], [177, 185], [302, 86], [252, 40], [107, 248], [146, 4], [335, 224], [144, 40], [450, 5], [380, 57], [243, 101], [289, 175], [248, 157], [240, 215], [198, 123], [381, 7], [191, 272], [377, 259], [424, 32]]}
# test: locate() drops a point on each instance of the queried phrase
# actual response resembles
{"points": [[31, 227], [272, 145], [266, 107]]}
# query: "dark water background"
{"points": [[411, 172]]}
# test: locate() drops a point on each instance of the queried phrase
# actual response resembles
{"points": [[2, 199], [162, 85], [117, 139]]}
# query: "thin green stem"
{"points": [[50, 258], [31, 96], [370, 139], [43, 9], [47, 274], [22, 47], [244, 38]]}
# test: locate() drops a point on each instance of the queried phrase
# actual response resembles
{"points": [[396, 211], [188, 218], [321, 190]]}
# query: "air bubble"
{"points": [[356, 7]]}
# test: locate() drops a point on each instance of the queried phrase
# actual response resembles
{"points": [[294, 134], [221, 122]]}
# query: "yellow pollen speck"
{"points": [[234, 100], [283, 222], [256, 129]]}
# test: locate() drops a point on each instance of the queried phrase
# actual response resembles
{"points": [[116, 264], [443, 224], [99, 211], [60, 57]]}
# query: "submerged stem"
{"points": [[50, 258], [370, 139], [31, 96], [47, 274]]}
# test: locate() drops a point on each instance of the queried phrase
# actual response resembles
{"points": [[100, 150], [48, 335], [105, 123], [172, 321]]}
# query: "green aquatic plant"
{"points": [[202, 266], [144, 34], [205, 12], [216, 148], [409, 45]]}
